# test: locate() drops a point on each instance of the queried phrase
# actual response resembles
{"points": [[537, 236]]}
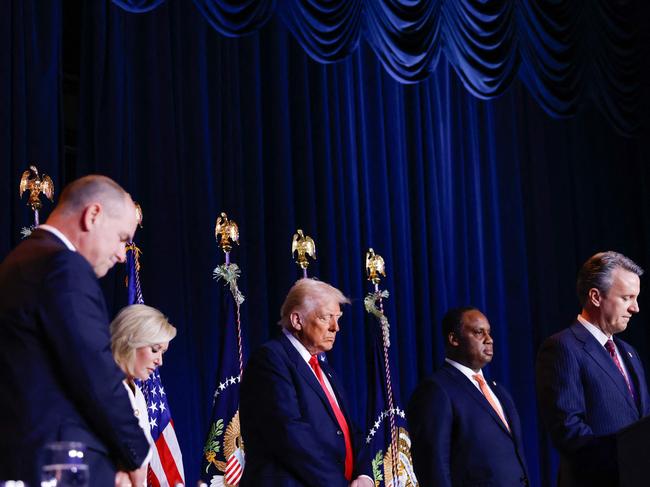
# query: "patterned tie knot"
{"points": [[609, 345]]}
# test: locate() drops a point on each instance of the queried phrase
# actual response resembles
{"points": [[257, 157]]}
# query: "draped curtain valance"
{"points": [[564, 51]]}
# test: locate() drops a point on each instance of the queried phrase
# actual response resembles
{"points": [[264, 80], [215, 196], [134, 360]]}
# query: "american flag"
{"points": [[166, 466]]}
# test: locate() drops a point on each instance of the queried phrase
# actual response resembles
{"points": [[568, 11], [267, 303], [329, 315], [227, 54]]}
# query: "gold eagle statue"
{"points": [[304, 246], [374, 266], [226, 232], [35, 184], [138, 213]]}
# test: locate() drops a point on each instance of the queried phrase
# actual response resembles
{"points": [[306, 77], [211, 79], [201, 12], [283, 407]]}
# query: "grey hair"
{"points": [[597, 272], [305, 295], [135, 326]]}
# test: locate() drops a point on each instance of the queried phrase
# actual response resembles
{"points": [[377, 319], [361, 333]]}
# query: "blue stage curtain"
{"points": [[489, 202], [469, 201], [138, 6], [565, 51], [30, 105], [236, 17]]}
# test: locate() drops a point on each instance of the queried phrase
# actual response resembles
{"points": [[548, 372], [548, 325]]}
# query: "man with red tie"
{"points": [[294, 417], [591, 384], [464, 429]]}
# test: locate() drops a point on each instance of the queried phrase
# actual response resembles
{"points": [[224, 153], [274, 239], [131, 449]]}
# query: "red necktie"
{"points": [[343, 424], [609, 345], [488, 395]]}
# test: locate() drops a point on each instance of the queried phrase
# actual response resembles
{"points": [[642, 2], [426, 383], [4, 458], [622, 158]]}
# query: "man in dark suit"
{"points": [[591, 384], [59, 381], [464, 430], [294, 418]]}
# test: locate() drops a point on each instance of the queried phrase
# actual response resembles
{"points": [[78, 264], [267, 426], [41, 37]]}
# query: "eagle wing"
{"points": [[47, 186], [310, 247], [24, 182]]}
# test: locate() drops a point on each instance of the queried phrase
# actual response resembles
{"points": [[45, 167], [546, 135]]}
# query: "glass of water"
{"points": [[64, 465]]}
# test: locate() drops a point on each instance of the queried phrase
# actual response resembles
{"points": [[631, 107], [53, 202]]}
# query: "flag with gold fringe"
{"points": [[166, 466], [223, 453], [387, 437]]}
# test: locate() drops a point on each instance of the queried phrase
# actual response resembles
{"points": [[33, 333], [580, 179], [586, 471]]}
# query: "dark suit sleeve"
{"points": [[270, 402], [430, 419], [562, 406], [75, 325]]}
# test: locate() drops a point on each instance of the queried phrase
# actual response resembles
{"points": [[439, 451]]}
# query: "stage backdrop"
{"points": [[463, 181]]}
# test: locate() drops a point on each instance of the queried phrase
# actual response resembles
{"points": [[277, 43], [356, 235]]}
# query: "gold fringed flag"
{"points": [[223, 453], [387, 437]]}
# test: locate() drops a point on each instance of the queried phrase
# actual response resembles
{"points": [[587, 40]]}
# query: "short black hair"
{"points": [[453, 319]]}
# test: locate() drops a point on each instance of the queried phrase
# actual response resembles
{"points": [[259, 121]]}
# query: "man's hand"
{"points": [[362, 481], [122, 479], [138, 476]]}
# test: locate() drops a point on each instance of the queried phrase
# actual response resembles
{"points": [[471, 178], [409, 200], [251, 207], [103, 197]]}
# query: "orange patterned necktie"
{"points": [[488, 395]]}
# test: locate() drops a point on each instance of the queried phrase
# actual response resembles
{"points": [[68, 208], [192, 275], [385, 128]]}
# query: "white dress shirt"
{"points": [[57, 232], [467, 372]]}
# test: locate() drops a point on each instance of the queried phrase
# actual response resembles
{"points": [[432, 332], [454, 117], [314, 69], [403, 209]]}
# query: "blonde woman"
{"points": [[140, 335]]}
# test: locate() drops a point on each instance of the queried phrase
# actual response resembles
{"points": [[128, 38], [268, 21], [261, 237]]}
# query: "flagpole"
{"points": [[304, 246], [227, 233], [31, 181], [166, 466], [223, 451], [375, 268]]}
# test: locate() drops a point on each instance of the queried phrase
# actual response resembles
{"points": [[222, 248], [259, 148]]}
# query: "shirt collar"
{"points": [[594, 330], [59, 234], [304, 353], [466, 371]]}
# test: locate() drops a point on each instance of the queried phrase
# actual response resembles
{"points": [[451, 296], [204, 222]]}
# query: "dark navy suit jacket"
{"points": [[457, 437], [290, 433], [58, 379], [584, 400]]}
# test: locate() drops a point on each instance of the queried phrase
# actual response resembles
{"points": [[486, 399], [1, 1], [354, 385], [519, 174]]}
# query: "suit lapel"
{"points": [[601, 356], [477, 395], [307, 374], [507, 411], [336, 386]]}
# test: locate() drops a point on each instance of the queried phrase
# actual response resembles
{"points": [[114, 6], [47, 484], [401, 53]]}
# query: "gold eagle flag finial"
{"points": [[304, 246], [138, 213], [226, 232], [374, 266], [31, 181]]}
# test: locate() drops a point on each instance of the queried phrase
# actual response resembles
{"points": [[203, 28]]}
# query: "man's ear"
{"points": [[594, 296], [90, 216], [452, 339], [296, 322]]}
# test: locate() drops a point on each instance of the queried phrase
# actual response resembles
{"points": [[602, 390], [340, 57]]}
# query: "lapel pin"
{"points": [[630, 354], [494, 383]]}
